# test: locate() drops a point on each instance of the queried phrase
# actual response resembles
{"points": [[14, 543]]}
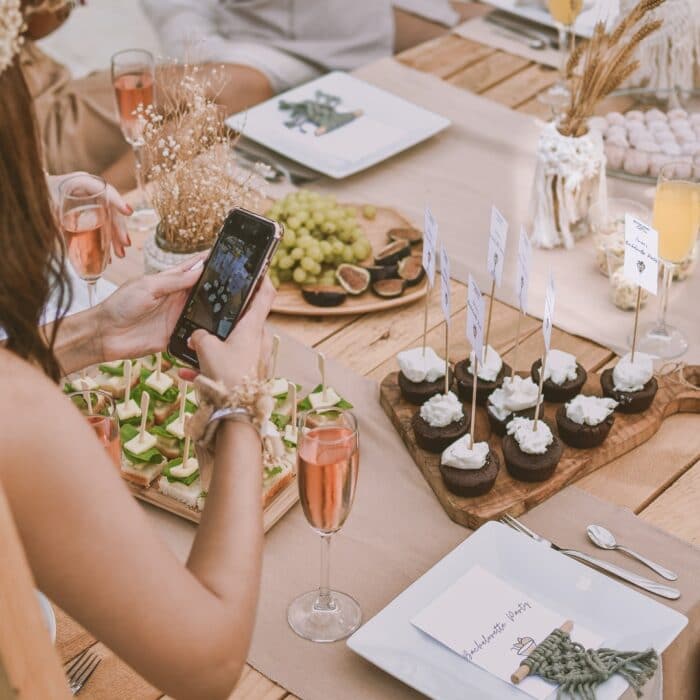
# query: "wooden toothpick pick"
{"points": [[145, 400], [472, 420], [127, 379], [447, 357], [273, 359], [322, 370], [186, 450], [517, 341], [539, 390], [425, 317], [293, 395], [523, 671], [183, 401], [488, 320], [159, 364], [636, 321]]}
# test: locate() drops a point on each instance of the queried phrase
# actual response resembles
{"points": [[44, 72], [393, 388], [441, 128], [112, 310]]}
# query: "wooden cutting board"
{"points": [[279, 505], [290, 301], [517, 497]]}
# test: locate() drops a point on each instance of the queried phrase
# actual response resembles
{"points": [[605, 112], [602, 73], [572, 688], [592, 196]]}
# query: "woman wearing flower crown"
{"points": [[185, 627]]}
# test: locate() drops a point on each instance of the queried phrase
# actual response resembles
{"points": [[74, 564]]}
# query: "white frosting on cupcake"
{"points": [[441, 410], [459, 456], [530, 441], [628, 376], [589, 410], [560, 367], [489, 367], [516, 394], [421, 367]]}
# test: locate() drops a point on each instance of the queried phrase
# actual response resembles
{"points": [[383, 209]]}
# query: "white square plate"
{"points": [[626, 620], [386, 126]]}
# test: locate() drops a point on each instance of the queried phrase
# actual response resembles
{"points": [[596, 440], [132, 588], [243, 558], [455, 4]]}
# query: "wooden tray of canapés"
{"points": [[149, 474], [678, 391], [337, 259]]}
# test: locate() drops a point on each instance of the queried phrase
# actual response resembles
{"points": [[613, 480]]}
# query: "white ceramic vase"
{"points": [[569, 180], [157, 259]]}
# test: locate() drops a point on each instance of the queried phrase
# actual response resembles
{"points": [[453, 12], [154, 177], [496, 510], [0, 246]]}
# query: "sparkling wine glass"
{"points": [[677, 220], [84, 219], [564, 14], [98, 408], [133, 78], [328, 458]]}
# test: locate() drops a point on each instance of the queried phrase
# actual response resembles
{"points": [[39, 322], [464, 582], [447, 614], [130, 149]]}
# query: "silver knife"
{"points": [[617, 571], [505, 21]]}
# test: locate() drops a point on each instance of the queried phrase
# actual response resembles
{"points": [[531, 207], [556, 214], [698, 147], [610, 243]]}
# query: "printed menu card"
{"points": [[489, 623]]}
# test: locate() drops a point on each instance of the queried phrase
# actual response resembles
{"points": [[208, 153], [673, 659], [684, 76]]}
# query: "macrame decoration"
{"points": [[668, 58], [569, 179], [579, 671]]}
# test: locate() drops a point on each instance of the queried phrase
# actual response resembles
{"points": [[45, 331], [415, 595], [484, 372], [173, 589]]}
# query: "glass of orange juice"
{"points": [[564, 14], [677, 221]]}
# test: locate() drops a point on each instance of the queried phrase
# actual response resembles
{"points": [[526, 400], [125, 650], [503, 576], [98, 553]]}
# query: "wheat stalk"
{"points": [[608, 60]]}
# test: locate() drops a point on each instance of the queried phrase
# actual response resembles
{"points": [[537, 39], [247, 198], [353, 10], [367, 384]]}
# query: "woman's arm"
{"points": [[94, 552]]}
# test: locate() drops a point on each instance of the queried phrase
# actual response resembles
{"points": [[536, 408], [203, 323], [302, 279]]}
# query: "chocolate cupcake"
{"points": [[419, 392], [439, 422], [422, 374], [531, 455], [515, 399], [585, 421], [566, 376], [462, 474], [632, 385], [465, 382]]}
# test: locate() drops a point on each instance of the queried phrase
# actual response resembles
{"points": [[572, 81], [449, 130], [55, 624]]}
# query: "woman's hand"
{"points": [[140, 316], [118, 209], [246, 351]]}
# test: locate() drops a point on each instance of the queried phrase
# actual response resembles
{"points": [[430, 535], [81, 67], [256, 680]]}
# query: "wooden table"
{"points": [[663, 492]]}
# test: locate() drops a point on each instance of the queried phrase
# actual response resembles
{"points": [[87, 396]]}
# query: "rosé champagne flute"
{"points": [[98, 408], [84, 220], [133, 78], [328, 458]]}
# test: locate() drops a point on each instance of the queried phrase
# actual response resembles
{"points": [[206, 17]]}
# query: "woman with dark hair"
{"points": [[185, 628]]}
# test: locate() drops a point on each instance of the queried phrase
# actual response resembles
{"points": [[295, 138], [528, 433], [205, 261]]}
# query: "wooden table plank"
{"points": [[675, 510], [521, 87], [445, 55], [489, 72], [536, 109], [312, 330]]}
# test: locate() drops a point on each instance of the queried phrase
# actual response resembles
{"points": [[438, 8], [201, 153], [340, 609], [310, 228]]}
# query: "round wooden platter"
{"points": [[290, 301]]}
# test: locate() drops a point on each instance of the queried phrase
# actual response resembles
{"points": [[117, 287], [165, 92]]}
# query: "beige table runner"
{"points": [[487, 157], [396, 532], [478, 29]]}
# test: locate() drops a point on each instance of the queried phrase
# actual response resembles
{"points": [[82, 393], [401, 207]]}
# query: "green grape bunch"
{"points": [[319, 235]]}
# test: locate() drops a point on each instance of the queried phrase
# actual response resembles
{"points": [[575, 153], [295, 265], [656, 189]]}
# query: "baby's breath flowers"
{"points": [[11, 28], [188, 161]]}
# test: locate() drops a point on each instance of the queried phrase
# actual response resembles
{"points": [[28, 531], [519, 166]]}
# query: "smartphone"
{"points": [[237, 264]]}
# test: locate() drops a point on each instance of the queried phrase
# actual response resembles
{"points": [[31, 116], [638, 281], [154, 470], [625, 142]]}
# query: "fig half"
{"points": [[392, 253], [408, 233], [324, 295], [411, 270], [353, 278], [389, 289], [381, 272]]}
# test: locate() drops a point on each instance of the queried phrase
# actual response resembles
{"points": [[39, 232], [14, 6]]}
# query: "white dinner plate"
{"points": [[385, 125], [626, 620], [536, 11]]}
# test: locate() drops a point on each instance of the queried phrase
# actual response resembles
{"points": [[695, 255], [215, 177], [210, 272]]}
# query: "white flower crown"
{"points": [[12, 25]]}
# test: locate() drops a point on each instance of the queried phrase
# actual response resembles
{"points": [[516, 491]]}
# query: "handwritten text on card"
{"points": [[641, 254], [497, 245], [430, 236], [524, 257], [548, 318], [445, 284], [475, 317]]}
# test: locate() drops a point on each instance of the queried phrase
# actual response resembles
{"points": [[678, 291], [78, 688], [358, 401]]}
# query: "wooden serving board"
{"points": [[517, 497], [280, 504], [290, 301]]}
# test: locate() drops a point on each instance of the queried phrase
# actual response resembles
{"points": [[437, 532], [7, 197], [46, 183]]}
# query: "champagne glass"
{"points": [[564, 13], [133, 78], [98, 408], [676, 218], [328, 458], [84, 219]]}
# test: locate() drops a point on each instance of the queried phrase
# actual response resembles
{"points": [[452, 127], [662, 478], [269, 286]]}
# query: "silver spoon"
{"points": [[606, 540]]}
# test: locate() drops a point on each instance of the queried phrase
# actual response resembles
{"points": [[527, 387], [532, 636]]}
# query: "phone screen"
{"points": [[233, 267]]}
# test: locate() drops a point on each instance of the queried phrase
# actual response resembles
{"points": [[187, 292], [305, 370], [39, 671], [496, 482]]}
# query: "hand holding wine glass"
{"points": [[328, 458], [84, 216]]}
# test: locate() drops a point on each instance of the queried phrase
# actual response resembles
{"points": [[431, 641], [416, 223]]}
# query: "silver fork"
{"points": [[629, 576], [80, 669]]}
